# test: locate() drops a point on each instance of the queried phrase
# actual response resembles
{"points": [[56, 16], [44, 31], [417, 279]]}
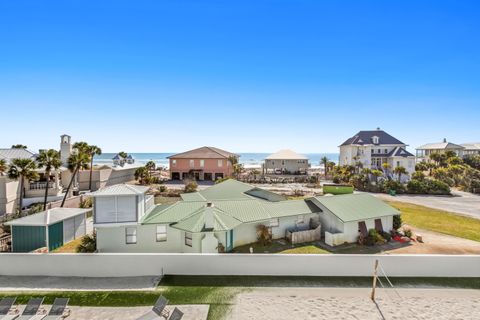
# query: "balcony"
{"points": [[41, 185]]}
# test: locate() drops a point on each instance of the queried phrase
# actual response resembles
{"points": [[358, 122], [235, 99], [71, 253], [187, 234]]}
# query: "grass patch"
{"points": [[306, 250], [282, 246], [166, 200], [438, 220], [70, 247]]}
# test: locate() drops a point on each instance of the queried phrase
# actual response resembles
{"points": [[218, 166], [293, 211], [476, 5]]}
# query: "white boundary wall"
{"points": [[123, 265]]}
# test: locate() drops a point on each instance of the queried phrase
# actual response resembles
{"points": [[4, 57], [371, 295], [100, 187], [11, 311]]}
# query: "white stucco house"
{"points": [[218, 218], [375, 147], [286, 162]]}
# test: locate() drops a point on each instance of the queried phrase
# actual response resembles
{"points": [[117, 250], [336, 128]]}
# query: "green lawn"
{"points": [[282, 247], [438, 220]]}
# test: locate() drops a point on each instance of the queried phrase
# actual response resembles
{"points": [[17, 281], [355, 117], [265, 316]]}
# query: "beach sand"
{"points": [[355, 303]]}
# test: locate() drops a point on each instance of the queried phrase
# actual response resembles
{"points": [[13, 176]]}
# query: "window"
{"points": [[375, 140], [174, 163], [398, 163], [220, 163], [283, 162], [131, 235], [386, 150], [202, 163], [379, 151], [188, 239], [373, 151], [192, 163], [161, 233], [274, 223]]}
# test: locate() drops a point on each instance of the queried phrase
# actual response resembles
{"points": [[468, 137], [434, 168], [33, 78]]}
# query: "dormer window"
{"points": [[375, 140]]}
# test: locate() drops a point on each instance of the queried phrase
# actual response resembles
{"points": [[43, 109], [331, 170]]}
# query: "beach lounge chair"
{"points": [[59, 309], [176, 314], [158, 310], [30, 311], [6, 305]]}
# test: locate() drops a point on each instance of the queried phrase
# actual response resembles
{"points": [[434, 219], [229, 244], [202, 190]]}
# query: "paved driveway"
{"points": [[460, 202]]}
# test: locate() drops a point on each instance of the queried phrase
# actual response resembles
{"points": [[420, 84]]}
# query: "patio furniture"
{"points": [[31, 310], [59, 309], [6, 305], [176, 314], [158, 310]]}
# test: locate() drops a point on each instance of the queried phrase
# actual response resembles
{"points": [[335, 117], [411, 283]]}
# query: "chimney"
{"points": [[378, 128], [209, 219], [444, 140]]}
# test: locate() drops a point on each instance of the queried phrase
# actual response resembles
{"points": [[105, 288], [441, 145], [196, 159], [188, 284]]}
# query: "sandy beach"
{"points": [[354, 303]]}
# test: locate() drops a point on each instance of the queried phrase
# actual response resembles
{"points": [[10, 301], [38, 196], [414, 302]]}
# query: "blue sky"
{"points": [[165, 76]]}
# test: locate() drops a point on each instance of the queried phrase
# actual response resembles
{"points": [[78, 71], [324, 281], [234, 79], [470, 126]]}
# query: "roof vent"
{"points": [[378, 128], [209, 204]]}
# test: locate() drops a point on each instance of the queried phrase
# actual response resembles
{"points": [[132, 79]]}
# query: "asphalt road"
{"points": [[463, 203]]}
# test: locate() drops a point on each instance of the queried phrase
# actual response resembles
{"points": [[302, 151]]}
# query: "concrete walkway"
{"points": [[463, 203], [37, 283], [191, 312]]}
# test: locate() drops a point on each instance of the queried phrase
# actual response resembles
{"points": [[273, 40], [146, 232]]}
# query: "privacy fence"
{"points": [[121, 265]]}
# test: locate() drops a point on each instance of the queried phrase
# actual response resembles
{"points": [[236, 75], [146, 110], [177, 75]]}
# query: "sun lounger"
{"points": [[30, 311], [157, 311], [59, 310], [6, 305], [176, 314]]}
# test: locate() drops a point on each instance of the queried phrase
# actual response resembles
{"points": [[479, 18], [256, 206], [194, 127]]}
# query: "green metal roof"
{"points": [[173, 213], [194, 196], [355, 207], [229, 189], [196, 222]]}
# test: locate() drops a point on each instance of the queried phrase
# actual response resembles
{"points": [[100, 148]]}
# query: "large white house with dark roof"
{"points": [[374, 148]]}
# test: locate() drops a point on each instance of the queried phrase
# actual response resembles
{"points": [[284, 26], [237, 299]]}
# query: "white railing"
{"points": [[149, 202], [41, 185]]}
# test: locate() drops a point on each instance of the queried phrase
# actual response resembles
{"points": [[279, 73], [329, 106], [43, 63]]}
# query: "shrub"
{"points": [[163, 188], [86, 203], [263, 235], [397, 222], [428, 186], [220, 180], [190, 187], [373, 238], [387, 236], [408, 233], [393, 185], [88, 244]]}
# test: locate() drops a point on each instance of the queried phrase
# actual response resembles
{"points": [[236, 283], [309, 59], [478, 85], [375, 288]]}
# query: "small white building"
{"points": [[471, 148], [345, 217], [286, 162], [374, 148]]}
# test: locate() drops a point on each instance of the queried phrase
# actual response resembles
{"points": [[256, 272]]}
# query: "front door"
{"points": [[229, 241]]}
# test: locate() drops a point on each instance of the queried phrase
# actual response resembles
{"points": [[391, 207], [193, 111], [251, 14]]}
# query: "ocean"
{"points": [[247, 159]]}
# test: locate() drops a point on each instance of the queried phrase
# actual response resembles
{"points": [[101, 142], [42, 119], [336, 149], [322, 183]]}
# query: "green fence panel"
{"points": [[55, 236], [28, 238]]}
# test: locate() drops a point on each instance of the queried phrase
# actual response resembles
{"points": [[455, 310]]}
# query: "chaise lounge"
{"points": [[30, 311], [6, 305], [158, 310], [59, 309]]}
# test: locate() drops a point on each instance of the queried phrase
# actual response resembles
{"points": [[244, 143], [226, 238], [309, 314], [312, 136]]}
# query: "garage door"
{"points": [[80, 226], [68, 230]]}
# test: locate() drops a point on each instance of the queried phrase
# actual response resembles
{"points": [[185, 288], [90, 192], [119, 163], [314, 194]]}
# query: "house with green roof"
{"points": [[219, 218]]}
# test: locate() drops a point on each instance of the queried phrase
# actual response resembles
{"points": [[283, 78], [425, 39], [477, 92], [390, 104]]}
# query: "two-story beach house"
{"points": [[226, 216], [286, 162], [374, 148], [205, 163], [425, 151]]}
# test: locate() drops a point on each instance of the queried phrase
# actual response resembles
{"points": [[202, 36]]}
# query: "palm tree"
{"points": [[3, 166], [376, 174], [22, 169], [50, 160], [324, 161], [123, 154], [386, 167], [237, 167], [141, 174], [151, 166], [78, 160], [92, 152], [400, 170]]}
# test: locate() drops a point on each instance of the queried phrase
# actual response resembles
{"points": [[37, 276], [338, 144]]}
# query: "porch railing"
{"points": [[41, 185]]}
